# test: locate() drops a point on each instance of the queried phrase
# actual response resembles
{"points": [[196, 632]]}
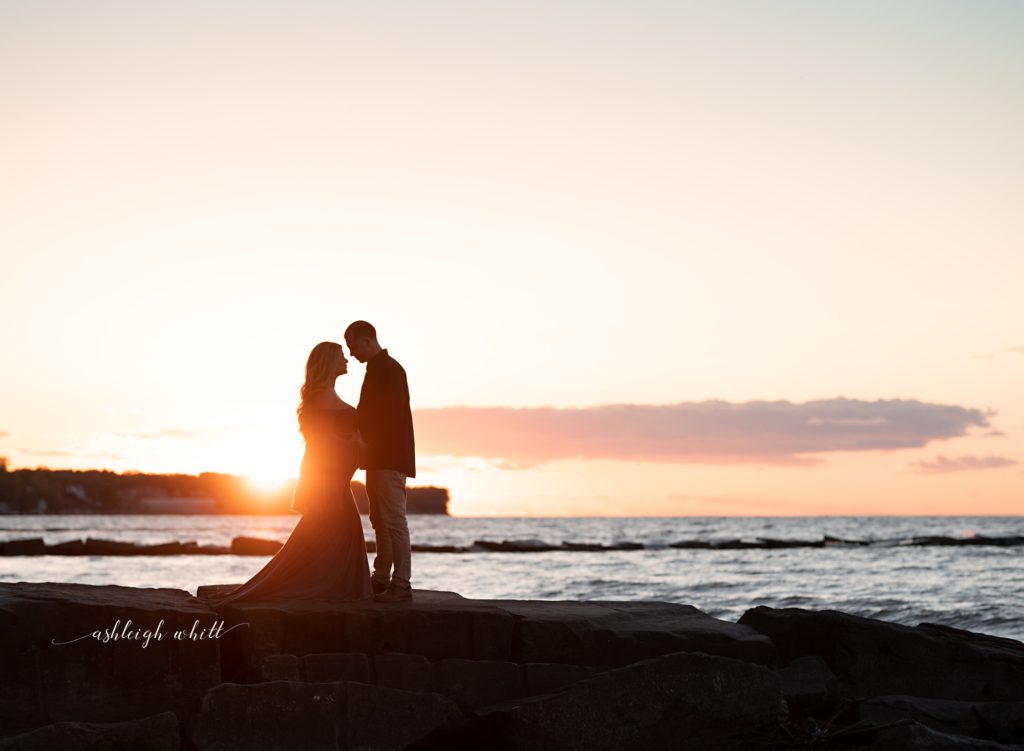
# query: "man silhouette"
{"points": [[385, 422]]}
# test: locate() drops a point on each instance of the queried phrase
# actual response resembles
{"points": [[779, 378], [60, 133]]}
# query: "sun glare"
{"points": [[268, 459], [266, 481]]}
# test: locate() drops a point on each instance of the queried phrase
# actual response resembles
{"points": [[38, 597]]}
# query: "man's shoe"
{"points": [[379, 587], [394, 594]]}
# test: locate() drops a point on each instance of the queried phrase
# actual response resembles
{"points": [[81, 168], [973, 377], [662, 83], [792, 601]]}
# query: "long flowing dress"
{"points": [[324, 558]]}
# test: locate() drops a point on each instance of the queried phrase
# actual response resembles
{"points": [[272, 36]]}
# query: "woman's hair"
{"points": [[320, 371]]}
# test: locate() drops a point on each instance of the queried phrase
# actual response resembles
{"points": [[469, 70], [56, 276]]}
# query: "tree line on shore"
{"points": [[65, 491]]}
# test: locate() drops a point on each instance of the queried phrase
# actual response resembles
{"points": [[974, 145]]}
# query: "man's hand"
{"points": [[359, 449]]}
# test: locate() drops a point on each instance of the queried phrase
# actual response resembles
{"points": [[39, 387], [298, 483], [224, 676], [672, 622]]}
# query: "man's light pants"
{"points": [[385, 489]]}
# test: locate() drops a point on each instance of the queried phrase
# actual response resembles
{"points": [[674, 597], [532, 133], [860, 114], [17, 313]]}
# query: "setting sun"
{"points": [[268, 459], [266, 482]]}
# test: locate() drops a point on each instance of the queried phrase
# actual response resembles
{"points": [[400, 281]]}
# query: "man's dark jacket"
{"points": [[385, 419]]}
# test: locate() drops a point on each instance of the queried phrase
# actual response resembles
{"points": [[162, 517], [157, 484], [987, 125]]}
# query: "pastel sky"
{"points": [[636, 257]]}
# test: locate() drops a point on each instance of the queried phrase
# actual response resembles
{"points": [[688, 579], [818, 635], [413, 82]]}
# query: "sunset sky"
{"points": [[637, 258]]}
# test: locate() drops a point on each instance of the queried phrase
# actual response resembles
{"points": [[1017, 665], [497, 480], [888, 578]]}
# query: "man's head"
{"points": [[361, 338]]}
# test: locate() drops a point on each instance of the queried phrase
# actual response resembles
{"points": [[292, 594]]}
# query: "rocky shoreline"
{"points": [[90, 667], [262, 546]]}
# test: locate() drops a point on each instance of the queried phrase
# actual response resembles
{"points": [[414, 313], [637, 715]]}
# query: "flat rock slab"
{"points": [[679, 701], [60, 660], [913, 736], [618, 633], [78, 652], [877, 658], [809, 686], [444, 625], [317, 717], [434, 625], [1000, 721], [156, 733]]}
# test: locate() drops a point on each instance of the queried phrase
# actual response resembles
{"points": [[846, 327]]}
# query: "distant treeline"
{"points": [[61, 491]]}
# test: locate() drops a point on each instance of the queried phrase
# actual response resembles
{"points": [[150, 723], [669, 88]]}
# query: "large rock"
{"points": [[476, 683], [27, 546], [280, 668], [313, 716], [912, 736], [618, 633], [440, 625], [433, 625], [94, 546], [70, 547], [407, 672], [1000, 721], [156, 733], [997, 648], [54, 668], [876, 658], [255, 546], [337, 667], [809, 686], [545, 677], [679, 701]]}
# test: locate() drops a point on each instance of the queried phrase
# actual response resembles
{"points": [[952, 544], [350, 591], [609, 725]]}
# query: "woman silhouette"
{"points": [[324, 558]]}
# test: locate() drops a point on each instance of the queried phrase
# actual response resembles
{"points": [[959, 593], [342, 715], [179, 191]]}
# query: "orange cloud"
{"points": [[944, 464], [778, 432]]}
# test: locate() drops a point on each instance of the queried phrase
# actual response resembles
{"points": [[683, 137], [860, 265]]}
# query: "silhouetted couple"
{"points": [[325, 556]]}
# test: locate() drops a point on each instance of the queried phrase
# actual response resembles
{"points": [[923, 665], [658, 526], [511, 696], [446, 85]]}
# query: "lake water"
{"points": [[975, 587]]}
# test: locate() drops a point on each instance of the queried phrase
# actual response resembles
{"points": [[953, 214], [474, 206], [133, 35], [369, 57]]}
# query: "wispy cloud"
{"points": [[192, 435], [990, 355], [778, 432], [944, 464], [49, 452], [184, 434], [77, 454], [731, 501]]}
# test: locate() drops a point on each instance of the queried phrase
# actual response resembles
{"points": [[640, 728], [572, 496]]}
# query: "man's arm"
{"points": [[387, 395]]}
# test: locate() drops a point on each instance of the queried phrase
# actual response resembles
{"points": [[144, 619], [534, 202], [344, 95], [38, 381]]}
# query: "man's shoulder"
{"points": [[389, 364]]}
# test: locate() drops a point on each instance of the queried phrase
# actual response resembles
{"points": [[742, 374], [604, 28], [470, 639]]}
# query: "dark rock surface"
{"points": [[254, 546], [438, 625], [1002, 722], [545, 677], [156, 733], [994, 647], [1002, 542], [443, 671], [876, 658], [477, 683], [337, 667], [913, 736], [280, 668], [678, 701], [406, 672], [27, 546], [618, 633], [257, 546], [311, 716], [809, 685], [86, 679], [470, 683]]}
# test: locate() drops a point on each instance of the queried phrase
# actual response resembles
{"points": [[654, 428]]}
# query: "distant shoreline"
{"points": [[66, 491]]}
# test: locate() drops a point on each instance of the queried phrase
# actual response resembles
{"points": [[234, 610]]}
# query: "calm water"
{"points": [[978, 588]]}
